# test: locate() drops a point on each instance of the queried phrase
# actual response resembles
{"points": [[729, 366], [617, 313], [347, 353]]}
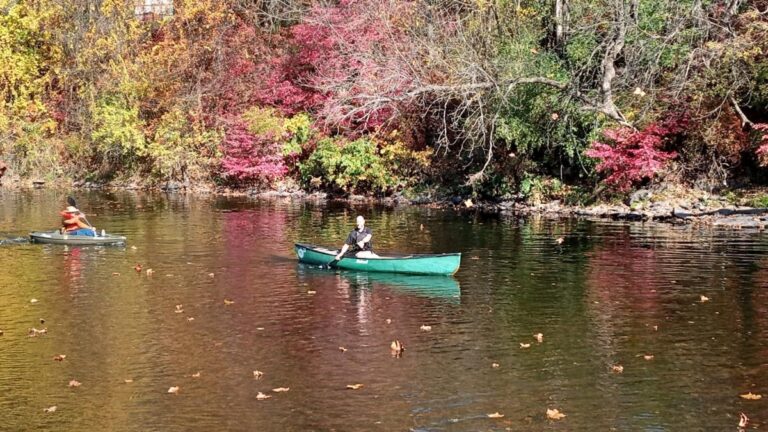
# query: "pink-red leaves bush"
{"points": [[762, 149], [630, 156], [249, 158]]}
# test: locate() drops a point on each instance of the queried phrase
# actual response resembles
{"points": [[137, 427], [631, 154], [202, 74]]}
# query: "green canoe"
{"points": [[55, 237], [437, 264]]}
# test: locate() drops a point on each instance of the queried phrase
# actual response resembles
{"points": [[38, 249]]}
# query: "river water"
{"points": [[629, 343]]}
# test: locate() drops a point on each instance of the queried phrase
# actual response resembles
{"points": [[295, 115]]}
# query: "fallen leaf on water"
{"points": [[495, 365], [525, 345], [655, 328], [33, 332], [262, 396], [190, 318], [75, 383], [342, 349], [1, 333], [743, 420], [474, 258], [389, 321], [133, 248], [354, 386], [648, 356], [115, 274], [258, 374], [397, 348], [34, 300], [174, 390], [42, 321], [703, 299], [52, 409], [751, 396], [150, 272], [179, 308], [554, 414], [425, 328], [128, 381], [421, 227], [310, 292], [281, 389], [495, 415], [196, 374], [211, 274], [539, 337], [228, 302], [617, 368], [137, 268], [559, 240], [60, 357]]}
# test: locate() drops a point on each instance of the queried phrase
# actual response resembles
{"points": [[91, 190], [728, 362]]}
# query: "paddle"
{"points": [[71, 201]]}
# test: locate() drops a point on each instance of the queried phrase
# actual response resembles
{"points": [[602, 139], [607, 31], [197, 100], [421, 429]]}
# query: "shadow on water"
{"points": [[436, 287]]}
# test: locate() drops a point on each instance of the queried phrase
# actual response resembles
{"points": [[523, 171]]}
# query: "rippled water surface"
{"points": [[227, 298]]}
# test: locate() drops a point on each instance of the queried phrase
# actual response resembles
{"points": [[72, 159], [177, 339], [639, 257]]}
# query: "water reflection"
{"points": [[610, 293]]}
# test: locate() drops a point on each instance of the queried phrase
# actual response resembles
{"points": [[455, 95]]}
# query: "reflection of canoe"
{"points": [[423, 285], [55, 237], [439, 264]]}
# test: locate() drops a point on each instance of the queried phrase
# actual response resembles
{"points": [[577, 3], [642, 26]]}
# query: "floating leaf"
{"points": [[258, 374], [150, 272], [554, 414], [179, 308], [559, 240], [211, 274], [228, 302], [495, 365], [75, 383], [33, 332], [342, 349], [655, 328], [115, 274], [539, 337], [354, 386], [648, 356], [196, 374], [50, 409], [174, 390], [397, 348], [743, 420], [389, 321], [703, 299], [617, 368], [525, 345], [59, 357], [128, 381], [281, 389], [133, 248], [751, 396], [190, 318], [310, 292], [262, 396], [495, 415], [426, 328], [137, 268], [33, 301]]}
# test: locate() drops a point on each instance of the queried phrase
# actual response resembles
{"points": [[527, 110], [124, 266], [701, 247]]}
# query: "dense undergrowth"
{"points": [[536, 98]]}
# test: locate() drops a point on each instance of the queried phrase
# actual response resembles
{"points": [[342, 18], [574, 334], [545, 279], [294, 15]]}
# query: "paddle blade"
{"points": [[71, 201]]}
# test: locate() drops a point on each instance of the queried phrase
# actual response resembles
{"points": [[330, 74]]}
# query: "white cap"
{"points": [[73, 209]]}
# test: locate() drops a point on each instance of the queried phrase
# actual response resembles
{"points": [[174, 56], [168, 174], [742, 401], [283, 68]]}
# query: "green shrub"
{"points": [[351, 166]]}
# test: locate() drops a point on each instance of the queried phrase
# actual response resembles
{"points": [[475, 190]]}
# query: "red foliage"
{"points": [[342, 55], [762, 149], [249, 158], [631, 156]]}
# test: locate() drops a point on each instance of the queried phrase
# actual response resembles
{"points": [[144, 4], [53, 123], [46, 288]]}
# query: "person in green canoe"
{"points": [[360, 240]]}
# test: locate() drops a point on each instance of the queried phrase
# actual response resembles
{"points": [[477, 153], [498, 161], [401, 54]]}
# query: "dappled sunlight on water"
{"points": [[644, 327]]}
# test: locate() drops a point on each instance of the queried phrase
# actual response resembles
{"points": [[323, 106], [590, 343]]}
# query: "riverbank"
{"points": [[668, 205]]}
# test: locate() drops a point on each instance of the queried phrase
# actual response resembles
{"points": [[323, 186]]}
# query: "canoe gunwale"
{"points": [[331, 253], [55, 237]]}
